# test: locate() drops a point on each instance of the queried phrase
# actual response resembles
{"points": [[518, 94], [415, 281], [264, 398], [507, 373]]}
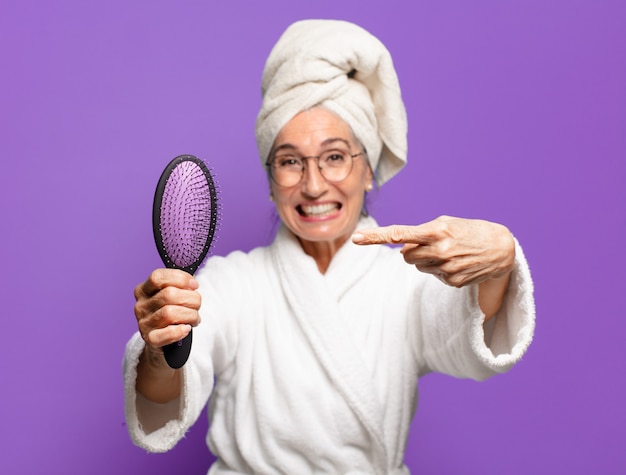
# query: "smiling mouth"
{"points": [[317, 211]]}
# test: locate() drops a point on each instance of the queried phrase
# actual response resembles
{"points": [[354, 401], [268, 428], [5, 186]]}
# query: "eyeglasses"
{"points": [[287, 169]]}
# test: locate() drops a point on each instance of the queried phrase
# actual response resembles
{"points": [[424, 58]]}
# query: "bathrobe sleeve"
{"points": [[158, 427], [452, 337]]}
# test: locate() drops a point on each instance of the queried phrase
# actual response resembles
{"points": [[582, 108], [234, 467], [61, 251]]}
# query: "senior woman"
{"points": [[310, 349]]}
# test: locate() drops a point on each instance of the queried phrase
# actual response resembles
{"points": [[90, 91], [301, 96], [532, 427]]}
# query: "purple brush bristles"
{"points": [[186, 214]]}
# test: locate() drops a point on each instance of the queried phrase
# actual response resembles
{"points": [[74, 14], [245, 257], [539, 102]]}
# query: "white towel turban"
{"points": [[342, 67]]}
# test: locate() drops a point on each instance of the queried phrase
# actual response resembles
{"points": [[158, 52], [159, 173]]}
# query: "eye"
{"points": [[287, 161], [334, 158]]}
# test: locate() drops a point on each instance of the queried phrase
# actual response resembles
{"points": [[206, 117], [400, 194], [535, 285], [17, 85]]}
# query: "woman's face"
{"points": [[315, 210]]}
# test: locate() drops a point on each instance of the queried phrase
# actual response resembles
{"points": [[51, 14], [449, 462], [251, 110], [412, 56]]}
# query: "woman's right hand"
{"points": [[167, 307]]}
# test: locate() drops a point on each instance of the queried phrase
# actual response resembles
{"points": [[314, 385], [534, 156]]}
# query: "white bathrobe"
{"points": [[318, 373]]}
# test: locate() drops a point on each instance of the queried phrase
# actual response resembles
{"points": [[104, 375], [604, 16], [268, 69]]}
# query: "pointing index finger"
{"points": [[394, 234]]}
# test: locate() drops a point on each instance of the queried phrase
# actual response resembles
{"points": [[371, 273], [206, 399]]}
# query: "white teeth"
{"points": [[318, 210]]}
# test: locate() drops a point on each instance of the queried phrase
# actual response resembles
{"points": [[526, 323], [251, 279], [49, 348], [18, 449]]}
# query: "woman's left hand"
{"points": [[457, 251]]}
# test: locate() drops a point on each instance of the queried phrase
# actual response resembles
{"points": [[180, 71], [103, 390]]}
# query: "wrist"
{"points": [[491, 294], [153, 359]]}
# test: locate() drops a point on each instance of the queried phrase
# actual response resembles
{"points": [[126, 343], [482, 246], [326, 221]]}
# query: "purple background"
{"points": [[517, 114]]}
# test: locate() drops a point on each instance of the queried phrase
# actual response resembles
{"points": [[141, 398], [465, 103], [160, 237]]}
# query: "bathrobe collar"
{"points": [[314, 299]]}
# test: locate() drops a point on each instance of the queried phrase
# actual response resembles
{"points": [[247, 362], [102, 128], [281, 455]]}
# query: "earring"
{"points": [[271, 197], [369, 187]]}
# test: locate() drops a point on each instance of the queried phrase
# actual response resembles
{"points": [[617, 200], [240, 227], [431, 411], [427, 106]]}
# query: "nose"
{"points": [[313, 182]]}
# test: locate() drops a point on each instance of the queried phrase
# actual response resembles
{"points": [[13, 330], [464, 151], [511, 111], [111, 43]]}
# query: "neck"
{"points": [[322, 251]]}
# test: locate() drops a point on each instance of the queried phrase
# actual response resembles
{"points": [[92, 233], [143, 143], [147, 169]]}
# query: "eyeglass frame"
{"points": [[270, 161]]}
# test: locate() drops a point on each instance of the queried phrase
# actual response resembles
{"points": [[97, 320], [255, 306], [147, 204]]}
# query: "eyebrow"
{"points": [[325, 143]]}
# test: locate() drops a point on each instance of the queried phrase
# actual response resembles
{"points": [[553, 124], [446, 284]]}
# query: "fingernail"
{"points": [[193, 283], [357, 238]]}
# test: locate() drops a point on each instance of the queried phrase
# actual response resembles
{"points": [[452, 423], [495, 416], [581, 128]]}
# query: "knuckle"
{"points": [[395, 234], [443, 225], [138, 292], [167, 314], [456, 281], [168, 295], [445, 249], [156, 277], [153, 339], [181, 331], [139, 311], [145, 322], [448, 269], [408, 258]]}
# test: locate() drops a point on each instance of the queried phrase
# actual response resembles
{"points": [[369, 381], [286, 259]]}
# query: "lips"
{"points": [[318, 210]]}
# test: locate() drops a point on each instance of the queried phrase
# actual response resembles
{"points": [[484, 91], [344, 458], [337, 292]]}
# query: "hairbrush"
{"points": [[184, 219]]}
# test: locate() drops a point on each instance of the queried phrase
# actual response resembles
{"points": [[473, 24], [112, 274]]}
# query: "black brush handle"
{"points": [[176, 354]]}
